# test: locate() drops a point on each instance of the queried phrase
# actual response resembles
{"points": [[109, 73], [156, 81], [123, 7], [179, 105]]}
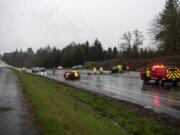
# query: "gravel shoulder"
{"points": [[15, 117]]}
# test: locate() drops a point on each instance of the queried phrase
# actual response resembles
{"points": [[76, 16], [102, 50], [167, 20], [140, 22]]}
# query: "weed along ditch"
{"points": [[63, 109]]}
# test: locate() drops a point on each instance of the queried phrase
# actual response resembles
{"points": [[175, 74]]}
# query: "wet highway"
{"points": [[14, 116], [129, 87]]}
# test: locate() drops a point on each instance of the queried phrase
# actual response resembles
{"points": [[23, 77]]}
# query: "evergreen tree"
{"points": [[168, 33], [109, 53], [115, 52], [97, 50]]}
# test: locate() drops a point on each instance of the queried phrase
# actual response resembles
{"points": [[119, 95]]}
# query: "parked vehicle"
{"points": [[23, 69], [114, 70], [42, 69], [77, 67], [161, 74], [60, 68], [35, 69]]}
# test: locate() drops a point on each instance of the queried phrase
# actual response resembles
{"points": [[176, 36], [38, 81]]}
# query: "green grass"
{"points": [[65, 110]]}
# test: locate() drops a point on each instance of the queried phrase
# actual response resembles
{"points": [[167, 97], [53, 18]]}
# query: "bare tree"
{"points": [[130, 43], [126, 41], [138, 38]]}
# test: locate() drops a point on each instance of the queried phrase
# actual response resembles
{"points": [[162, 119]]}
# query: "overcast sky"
{"points": [[37, 23]]}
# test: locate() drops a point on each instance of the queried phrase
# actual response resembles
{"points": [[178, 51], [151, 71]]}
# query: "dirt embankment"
{"points": [[137, 63]]}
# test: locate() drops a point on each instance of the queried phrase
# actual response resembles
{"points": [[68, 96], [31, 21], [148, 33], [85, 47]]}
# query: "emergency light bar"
{"points": [[158, 66]]}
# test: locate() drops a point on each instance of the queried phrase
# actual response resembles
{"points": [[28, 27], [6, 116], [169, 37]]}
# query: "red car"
{"points": [[71, 75]]}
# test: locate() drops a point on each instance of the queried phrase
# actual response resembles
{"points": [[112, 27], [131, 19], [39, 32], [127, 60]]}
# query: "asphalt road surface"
{"points": [[129, 87], [14, 116]]}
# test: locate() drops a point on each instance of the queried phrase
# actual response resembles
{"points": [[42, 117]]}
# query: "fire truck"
{"points": [[161, 74]]}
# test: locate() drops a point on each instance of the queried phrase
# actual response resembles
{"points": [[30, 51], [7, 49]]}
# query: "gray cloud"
{"points": [[37, 23]]}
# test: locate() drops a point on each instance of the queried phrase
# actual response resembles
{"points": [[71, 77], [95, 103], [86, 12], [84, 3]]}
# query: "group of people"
{"points": [[72, 75], [101, 70], [69, 75], [116, 69], [120, 69]]}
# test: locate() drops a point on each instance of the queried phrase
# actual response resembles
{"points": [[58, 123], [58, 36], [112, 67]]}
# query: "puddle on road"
{"points": [[5, 109]]}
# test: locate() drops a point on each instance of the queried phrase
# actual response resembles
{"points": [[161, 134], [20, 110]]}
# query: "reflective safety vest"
{"points": [[94, 70], [127, 68], [67, 75], [101, 69], [76, 74], [120, 67], [148, 73]]}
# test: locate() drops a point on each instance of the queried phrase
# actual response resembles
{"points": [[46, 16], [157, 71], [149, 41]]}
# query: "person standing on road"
{"points": [[120, 68], [101, 70], [67, 75], [148, 76], [94, 70], [76, 74], [54, 70], [127, 68]]}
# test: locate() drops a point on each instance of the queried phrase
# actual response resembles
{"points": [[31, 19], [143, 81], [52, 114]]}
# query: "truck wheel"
{"points": [[157, 82], [174, 83], [145, 81], [161, 82]]}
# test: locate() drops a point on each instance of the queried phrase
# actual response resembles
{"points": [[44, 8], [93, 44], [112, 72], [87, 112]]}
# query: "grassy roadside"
{"points": [[65, 110]]}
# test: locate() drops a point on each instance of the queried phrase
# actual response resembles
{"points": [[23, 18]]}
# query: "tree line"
{"points": [[131, 47], [73, 54], [165, 31]]}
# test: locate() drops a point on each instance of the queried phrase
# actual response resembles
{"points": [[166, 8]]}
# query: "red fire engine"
{"points": [[161, 74]]}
